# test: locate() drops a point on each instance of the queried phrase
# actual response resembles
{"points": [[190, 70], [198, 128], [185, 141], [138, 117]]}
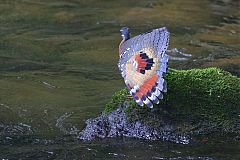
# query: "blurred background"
{"points": [[58, 67]]}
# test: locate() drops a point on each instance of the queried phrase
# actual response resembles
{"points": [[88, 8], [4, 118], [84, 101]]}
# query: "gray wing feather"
{"points": [[157, 39]]}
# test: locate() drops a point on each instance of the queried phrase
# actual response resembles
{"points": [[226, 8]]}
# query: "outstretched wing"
{"points": [[143, 64]]}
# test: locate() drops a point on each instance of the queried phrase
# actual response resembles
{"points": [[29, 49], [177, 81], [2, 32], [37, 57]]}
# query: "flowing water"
{"points": [[58, 67]]}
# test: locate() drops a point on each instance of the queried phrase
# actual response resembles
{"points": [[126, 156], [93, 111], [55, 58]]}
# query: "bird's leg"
{"points": [[129, 96]]}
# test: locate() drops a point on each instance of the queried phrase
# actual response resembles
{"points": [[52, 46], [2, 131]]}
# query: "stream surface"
{"points": [[58, 68]]}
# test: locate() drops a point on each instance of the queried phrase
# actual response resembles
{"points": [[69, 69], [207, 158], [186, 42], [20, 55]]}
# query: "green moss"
{"points": [[207, 93], [197, 95], [117, 99]]}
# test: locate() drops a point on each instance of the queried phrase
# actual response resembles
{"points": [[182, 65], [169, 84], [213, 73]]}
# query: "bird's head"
{"points": [[125, 33]]}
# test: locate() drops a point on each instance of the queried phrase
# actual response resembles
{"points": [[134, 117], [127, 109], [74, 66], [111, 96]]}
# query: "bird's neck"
{"points": [[119, 47]]}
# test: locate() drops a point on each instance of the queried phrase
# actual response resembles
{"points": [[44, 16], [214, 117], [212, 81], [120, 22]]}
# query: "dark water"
{"points": [[58, 68]]}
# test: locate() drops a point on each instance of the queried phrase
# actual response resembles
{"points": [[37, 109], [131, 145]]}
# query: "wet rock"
{"points": [[117, 124]]}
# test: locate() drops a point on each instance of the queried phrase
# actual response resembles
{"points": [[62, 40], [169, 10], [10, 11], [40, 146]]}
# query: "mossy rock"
{"points": [[194, 96]]}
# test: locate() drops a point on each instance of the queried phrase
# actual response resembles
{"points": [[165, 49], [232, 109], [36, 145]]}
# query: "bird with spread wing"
{"points": [[143, 63]]}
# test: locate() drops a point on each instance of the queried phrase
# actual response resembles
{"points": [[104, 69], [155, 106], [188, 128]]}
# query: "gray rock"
{"points": [[116, 124]]}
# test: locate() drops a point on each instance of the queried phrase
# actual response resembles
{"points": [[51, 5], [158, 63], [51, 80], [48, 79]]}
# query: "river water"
{"points": [[58, 67]]}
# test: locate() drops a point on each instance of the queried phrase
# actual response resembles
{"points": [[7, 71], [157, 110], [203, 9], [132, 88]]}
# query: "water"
{"points": [[58, 67]]}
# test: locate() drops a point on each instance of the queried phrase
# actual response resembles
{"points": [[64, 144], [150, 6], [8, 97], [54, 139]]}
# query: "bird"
{"points": [[143, 63]]}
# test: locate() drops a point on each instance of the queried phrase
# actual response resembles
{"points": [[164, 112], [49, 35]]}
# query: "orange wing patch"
{"points": [[147, 86], [143, 62]]}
